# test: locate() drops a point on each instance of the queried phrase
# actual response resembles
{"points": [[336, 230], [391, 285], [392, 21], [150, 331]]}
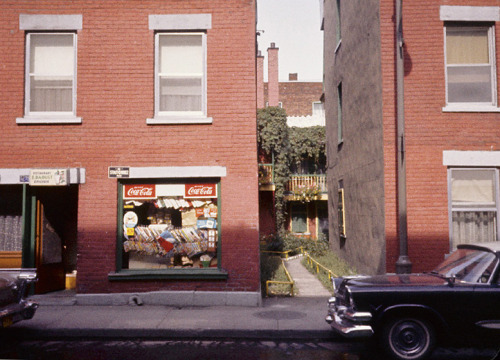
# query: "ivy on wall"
{"points": [[272, 136], [307, 143]]}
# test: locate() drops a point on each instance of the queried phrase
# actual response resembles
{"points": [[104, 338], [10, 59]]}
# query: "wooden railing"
{"points": [[300, 181]]}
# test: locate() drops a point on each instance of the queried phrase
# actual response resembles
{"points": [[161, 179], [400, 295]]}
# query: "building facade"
{"points": [[128, 153], [413, 129]]}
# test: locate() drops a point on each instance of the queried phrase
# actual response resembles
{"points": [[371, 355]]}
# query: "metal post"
{"points": [[403, 265]]}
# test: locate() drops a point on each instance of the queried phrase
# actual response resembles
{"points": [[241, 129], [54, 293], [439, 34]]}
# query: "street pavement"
{"points": [[302, 316]]}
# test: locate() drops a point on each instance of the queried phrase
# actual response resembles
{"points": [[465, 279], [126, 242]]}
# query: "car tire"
{"points": [[408, 338]]}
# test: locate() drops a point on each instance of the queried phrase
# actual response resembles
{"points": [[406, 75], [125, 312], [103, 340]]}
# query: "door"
{"points": [[48, 253]]}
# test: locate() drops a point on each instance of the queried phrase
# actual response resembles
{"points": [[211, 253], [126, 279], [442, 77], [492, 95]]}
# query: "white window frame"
{"points": [[486, 16], [181, 24], [50, 25]]}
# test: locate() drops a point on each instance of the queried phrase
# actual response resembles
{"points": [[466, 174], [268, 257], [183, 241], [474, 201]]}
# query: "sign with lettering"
{"points": [[136, 191], [49, 177], [118, 172], [199, 191]]}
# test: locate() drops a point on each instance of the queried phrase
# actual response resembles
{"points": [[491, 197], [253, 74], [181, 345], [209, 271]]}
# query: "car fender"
{"points": [[427, 312]]}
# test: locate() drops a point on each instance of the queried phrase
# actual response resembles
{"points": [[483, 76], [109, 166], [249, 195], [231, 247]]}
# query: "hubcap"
{"points": [[409, 338]]}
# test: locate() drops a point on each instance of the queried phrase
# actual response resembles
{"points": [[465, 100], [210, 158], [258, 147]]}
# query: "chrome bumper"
{"points": [[348, 323], [14, 313]]}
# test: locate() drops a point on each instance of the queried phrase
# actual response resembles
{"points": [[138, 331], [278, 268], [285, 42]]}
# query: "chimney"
{"points": [[293, 76], [260, 81], [272, 76]]}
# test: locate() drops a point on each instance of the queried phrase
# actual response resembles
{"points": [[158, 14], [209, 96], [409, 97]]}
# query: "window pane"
{"points": [[299, 218], [181, 54], [51, 94], [170, 226], [51, 72], [473, 187], [11, 218], [467, 46], [51, 55], [469, 84], [180, 94], [473, 226]]}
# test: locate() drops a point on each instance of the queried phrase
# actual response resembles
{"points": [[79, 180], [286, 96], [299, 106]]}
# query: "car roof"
{"points": [[488, 246]]}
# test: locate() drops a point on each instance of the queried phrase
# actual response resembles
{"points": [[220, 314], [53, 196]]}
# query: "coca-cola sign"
{"points": [[136, 191], [197, 191]]}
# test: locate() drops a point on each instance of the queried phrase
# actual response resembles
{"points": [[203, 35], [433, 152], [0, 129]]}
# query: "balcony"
{"points": [[313, 183], [307, 187]]}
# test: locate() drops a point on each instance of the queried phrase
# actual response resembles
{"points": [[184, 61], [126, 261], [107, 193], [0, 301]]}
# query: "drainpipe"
{"points": [[403, 265]]}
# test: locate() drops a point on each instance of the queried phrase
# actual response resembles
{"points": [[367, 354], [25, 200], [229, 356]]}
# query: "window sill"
{"points": [[56, 119], [175, 274], [173, 120], [470, 108]]}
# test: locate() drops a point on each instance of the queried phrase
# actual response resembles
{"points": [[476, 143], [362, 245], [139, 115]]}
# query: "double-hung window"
{"points": [[51, 71], [50, 68], [180, 68], [470, 64], [474, 205]]}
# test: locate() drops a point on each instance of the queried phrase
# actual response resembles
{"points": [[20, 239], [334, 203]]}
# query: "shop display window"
{"points": [[170, 226]]}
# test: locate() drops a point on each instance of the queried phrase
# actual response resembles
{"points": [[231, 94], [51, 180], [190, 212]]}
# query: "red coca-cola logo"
{"points": [[139, 192], [201, 191]]}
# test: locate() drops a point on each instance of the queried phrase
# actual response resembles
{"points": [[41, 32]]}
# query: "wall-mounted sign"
{"points": [[197, 191], [135, 191], [49, 177], [118, 172]]}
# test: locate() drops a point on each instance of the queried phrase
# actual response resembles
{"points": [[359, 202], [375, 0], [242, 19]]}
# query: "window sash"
{"points": [[50, 73], [470, 65], [180, 84]]}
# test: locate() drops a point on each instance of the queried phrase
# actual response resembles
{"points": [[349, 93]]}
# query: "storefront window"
{"points": [[11, 218], [170, 225]]}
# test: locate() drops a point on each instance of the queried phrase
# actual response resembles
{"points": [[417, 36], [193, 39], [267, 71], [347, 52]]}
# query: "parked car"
{"points": [[14, 306], [410, 314]]}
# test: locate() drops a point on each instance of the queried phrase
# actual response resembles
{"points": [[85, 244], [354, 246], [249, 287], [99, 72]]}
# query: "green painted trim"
{"points": [[119, 229], [219, 221], [28, 251], [173, 274]]}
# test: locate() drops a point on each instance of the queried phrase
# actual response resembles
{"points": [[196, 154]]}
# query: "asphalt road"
{"points": [[86, 349]]}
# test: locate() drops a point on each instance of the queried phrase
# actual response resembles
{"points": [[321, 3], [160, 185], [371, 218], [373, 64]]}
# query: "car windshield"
{"points": [[468, 266]]}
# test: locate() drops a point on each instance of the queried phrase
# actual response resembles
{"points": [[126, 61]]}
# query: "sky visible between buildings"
{"points": [[294, 26]]}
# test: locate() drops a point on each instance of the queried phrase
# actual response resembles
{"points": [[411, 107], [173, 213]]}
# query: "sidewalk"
{"points": [[300, 317]]}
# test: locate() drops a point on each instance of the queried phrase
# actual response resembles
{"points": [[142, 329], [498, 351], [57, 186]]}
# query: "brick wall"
{"points": [[297, 97], [115, 96]]}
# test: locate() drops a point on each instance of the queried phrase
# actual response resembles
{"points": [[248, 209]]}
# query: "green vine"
{"points": [[273, 140], [308, 143]]}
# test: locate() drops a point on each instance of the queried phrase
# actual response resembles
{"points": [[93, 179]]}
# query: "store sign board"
{"points": [[136, 191], [200, 191], [118, 172], [49, 177]]}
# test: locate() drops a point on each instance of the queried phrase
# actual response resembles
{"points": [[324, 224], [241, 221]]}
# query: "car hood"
{"points": [[391, 280]]}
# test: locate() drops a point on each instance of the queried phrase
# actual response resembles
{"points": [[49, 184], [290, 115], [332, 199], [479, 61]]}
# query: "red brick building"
{"points": [[302, 103], [413, 127], [128, 152]]}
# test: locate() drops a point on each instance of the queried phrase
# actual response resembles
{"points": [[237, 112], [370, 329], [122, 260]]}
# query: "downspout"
{"points": [[403, 264]]}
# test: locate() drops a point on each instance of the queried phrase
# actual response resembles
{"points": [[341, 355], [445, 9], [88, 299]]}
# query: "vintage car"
{"points": [[409, 314], [13, 305]]}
